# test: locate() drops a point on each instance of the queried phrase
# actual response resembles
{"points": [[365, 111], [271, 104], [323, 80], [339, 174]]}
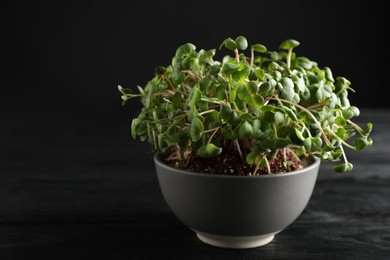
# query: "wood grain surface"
{"points": [[74, 189]]}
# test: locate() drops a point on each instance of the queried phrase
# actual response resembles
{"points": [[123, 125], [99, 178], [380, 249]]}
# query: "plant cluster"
{"points": [[262, 104]]}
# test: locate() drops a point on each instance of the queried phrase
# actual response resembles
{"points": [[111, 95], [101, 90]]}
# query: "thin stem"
{"points": [[154, 140], [207, 111], [252, 57], [168, 81], [312, 117], [288, 58], [346, 87], [293, 154], [214, 101], [320, 105], [338, 138], [187, 87], [344, 156], [275, 130], [268, 166], [211, 130], [307, 131], [192, 73], [238, 111], [212, 135], [237, 55], [358, 128], [178, 152], [133, 95], [293, 146], [167, 100], [238, 148]]}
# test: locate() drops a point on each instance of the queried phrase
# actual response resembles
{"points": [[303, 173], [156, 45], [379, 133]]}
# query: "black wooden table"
{"points": [[87, 191]]}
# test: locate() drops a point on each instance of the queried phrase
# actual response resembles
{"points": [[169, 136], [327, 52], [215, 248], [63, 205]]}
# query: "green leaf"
{"points": [[229, 68], [177, 99], [328, 74], [347, 114], [134, 124], [196, 129], [290, 113], [319, 95], [316, 144], [178, 75], [243, 93], [185, 49], [161, 142], [220, 93], [305, 63], [241, 74], [256, 123], [183, 140], [354, 110], [205, 83], [340, 121], [276, 55], [226, 112], [241, 43], [252, 87], [362, 143], [260, 74], [287, 83], [213, 116], [282, 142], [288, 44], [368, 130], [125, 91], [160, 70], [257, 133], [279, 118], [247, 117], [195, 95], [234, 119], [229, 43], [209, 150], [296, 98], [342, 168], [142, 128], [228, 133], [312, 144], [258, 100], [300, 83], [245, 130], [233, 94], [268, 108], [215, 69], [299, 134], [307, 144], [268, 144], [192, 112], [341, 132], [262, 161], [265, 88], [259, 48], [288, 93], [141, 90], [251, 158]]}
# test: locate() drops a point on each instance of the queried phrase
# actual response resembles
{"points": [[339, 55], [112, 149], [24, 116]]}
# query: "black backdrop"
{"points": [[65, 59]]}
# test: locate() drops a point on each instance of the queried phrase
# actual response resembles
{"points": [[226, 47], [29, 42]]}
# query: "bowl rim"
{"points": [[313, 165]]}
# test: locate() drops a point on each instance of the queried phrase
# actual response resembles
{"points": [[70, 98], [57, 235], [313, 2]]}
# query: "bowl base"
{"points": [[236, 242]]}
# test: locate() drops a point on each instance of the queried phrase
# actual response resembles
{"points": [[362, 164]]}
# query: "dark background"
{"points": [[66, 59], [74, 185]]}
